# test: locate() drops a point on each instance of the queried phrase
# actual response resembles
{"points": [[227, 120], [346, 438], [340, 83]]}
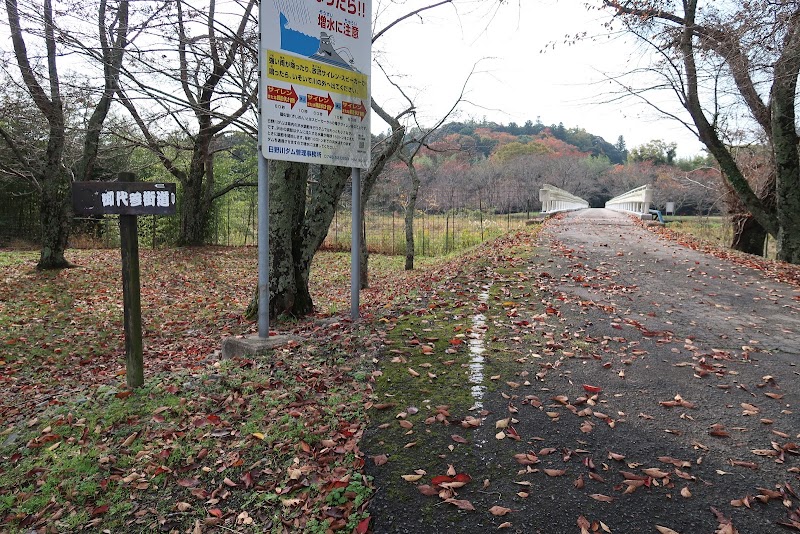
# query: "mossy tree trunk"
{"points": [[298, 226]]}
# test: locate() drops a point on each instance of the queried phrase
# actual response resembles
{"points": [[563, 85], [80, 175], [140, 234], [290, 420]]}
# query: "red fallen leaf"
{"points": [[335, 484], [124, 394], [247, 478], [441, 478], [456, 341], [458, 439], [100, 510], [213, 419], [363, 526], [161, 469], [380, 459], [216, 512], [188, 482], [592, 389], [462, 477]]}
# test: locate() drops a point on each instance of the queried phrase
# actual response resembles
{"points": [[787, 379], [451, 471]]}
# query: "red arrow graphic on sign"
{"points": [[280, 94], [357, 110], [320, 102]]}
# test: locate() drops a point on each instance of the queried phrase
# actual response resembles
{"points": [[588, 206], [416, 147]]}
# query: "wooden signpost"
{"points": [[128, 199]]}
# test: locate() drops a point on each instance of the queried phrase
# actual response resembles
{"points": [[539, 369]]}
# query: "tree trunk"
{"points": [[409, 219], [55, 214], [194, 215], [297, 229], [748, 235], [197, 186], [379, 160], [784, 143]]}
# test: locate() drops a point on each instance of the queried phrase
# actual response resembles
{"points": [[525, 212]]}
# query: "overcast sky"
{"points": [[515, 81]]}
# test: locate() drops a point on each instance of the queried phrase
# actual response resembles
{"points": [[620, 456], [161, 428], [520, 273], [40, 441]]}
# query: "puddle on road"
{"points": [[476, 350]]}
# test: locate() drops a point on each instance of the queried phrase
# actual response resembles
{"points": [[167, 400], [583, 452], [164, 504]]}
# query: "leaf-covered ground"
{"points": [[268, 445]]}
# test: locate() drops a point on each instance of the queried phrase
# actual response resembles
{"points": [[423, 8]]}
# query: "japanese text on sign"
{"points": [[352, 7], [290, 69], [123, 198]]}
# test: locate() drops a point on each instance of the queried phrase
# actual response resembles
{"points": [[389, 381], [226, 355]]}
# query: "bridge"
{"points": [[636, 201], [555, 200]]}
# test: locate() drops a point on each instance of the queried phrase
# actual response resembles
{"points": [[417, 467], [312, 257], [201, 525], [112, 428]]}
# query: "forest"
{"points": [[494, 168]]}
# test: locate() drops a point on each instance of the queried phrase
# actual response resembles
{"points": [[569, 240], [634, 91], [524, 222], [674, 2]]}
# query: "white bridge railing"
{"points": [[635, 201], [554, 200]]}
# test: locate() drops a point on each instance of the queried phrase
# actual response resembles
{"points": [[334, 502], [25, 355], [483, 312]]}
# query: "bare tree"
{"points": [[717, 61], [200, 83], [51, 174]]}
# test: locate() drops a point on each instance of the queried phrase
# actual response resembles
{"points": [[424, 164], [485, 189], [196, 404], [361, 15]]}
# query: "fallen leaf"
{"points": [[461, 504]]}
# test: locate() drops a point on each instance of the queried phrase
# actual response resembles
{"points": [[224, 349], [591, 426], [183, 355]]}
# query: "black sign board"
{"points": [[123, 198]]}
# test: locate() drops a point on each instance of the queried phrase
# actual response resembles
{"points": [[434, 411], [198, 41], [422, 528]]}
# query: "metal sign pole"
{"points": [[263, 246], [355, 244], [263, 194]]}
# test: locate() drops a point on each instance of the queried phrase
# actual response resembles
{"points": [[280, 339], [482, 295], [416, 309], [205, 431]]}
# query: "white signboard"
{"points": [[317, 95]]}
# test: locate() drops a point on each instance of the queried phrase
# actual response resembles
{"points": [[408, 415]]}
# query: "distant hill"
{"points": [[579, 138]]}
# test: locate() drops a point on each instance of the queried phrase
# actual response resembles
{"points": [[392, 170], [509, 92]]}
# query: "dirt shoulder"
{"points": [[595, 376]]}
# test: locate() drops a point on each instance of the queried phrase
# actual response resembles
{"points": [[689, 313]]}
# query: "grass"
{"points": [[434, 234], [716, 231], [713, 230]]}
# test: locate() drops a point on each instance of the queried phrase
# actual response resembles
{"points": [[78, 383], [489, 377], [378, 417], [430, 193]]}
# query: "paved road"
{"points": [[698, 363], [689, 292]]}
